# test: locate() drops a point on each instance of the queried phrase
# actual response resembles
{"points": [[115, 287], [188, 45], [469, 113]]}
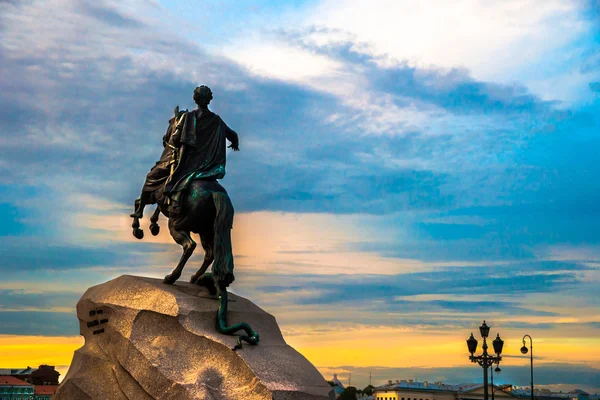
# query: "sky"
{"points": [[407, 169]]}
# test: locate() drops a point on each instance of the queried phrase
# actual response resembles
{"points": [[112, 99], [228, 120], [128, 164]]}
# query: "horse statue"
{"points": [[207, 211]]}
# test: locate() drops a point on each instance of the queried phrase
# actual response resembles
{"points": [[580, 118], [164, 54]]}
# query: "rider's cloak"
{"points": [[202, 153]]}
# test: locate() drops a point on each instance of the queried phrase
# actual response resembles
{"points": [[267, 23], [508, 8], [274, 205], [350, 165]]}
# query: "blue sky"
{"points": [[414, 167]]}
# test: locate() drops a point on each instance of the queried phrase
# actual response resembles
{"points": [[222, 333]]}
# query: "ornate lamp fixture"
{"points": [[485, 360]]}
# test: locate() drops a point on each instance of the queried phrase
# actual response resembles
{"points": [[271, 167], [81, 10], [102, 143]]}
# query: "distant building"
{"points": [[44, 392], [337, 382], [12, 388], [412, 390], [43, 375], [545, 394], [23, 374], [338, 386]]}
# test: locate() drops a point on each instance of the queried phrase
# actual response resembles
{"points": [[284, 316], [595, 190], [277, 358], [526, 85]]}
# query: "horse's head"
{"points": [[177, 117]]}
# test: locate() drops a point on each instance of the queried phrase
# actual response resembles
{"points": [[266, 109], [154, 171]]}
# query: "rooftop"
{"points": [[17, 371], [12, 381], [438, 386], [468, 387], [45, 389]]}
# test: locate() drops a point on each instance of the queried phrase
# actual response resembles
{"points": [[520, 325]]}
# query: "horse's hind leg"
{"points": [[184, 240], [154, 228], [206, 238]]}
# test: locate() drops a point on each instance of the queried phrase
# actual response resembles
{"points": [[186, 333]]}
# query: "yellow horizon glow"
{"points": [[365, 347], [32, 351], [394, 347]]}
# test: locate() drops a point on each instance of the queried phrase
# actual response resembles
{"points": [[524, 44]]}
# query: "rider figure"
{"points": [[194, 149]]}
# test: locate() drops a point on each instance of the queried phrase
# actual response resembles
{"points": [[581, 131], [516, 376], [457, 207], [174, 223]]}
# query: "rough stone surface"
{"points": [[157, 341]]}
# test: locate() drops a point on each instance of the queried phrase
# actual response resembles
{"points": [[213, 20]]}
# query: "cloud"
{"points": [[9, 216], [19, 254], [396, 290], [500, 42], [21, 300], [39, 323], [487, 38], [287, 63], [411, 169], [303, 150]]}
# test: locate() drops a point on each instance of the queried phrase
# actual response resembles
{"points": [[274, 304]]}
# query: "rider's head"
{"points": [[202, 95]]}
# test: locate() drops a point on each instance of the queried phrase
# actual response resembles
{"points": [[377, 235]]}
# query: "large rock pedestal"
{"points": [[147, 340]]}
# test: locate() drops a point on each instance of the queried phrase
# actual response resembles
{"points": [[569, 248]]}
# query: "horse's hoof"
{"points": [[208, 282], [171, 279], [229, 278], [154, 229], [138, 233]]}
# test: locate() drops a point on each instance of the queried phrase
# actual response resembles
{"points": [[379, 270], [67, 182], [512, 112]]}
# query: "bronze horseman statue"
{"points": [[184, 185]]}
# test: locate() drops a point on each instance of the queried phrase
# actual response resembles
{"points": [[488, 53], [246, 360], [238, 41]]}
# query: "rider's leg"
{"points": [[154, 180]]}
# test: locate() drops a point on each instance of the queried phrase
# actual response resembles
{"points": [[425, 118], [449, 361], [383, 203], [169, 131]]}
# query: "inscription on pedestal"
{"points": [[98, 313]]}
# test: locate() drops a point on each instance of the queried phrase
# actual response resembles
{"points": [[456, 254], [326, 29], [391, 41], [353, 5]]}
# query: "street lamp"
{"points": [[524, 351], [485, 360], [492, 374]]}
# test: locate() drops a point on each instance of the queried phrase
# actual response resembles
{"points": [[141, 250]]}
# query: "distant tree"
{"points": [[368, 390], [348, 394]]}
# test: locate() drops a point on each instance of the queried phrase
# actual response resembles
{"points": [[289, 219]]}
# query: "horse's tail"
{"points": [[223, 264]]}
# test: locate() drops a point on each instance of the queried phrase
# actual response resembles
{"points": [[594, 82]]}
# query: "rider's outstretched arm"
{"points": [[232, 136]]}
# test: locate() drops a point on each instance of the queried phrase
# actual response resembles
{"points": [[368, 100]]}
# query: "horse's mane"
{"points": [[178, 115]]}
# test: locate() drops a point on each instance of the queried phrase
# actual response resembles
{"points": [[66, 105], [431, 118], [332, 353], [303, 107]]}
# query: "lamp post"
{"points": [[485, 360], [497, 370], [524, 351]]}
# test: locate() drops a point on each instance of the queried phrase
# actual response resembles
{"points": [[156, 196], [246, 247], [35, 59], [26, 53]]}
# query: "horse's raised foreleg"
{"points": [[207, 239], [184, 240], [137, 232], [154, 228], [140, 204]]}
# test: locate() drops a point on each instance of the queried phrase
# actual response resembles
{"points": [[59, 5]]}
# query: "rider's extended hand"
{"points": [[234, 147]]}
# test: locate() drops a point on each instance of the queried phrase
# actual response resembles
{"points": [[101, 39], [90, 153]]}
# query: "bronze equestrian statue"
{"points": [[184, 185]]}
